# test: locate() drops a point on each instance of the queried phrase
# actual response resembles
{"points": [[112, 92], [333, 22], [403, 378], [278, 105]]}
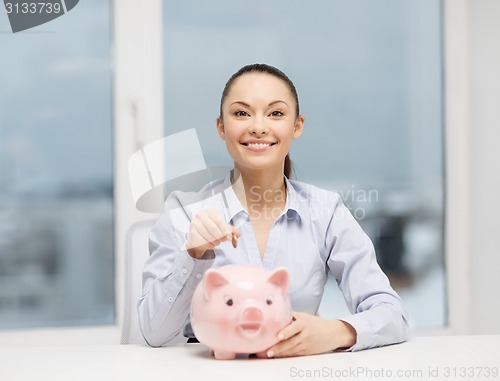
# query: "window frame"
{"points": [[137, 120]]}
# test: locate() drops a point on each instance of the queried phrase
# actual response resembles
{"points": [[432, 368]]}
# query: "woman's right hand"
{"points": [[208, 230]]}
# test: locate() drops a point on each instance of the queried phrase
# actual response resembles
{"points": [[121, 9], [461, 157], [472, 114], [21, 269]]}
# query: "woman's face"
{"points": [[259, 121]]}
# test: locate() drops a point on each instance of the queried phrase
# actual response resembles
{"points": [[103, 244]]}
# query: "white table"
{"points": [[421, 358]]}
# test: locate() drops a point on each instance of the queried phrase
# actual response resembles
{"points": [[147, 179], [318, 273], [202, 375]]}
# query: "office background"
{"points": [[399, 102]]}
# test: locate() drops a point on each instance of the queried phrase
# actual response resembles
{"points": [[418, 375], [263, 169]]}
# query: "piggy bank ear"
{"points": [[211, 281], [281, 278]]}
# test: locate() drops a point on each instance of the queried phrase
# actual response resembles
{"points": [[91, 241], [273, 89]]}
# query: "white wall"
{"points": [[484, 136], [472, 72], [138, 108]]}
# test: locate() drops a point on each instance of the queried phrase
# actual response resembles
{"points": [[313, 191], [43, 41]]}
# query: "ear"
{"points": [[298, 127], [212, 280], [280, 277], [220, 128]]}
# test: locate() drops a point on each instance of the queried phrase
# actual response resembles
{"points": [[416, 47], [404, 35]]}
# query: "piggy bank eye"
{"points": [[228, 300], [269, 302]]}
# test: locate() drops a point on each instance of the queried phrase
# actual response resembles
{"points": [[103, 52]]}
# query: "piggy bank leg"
{"points": [[221, 355]]}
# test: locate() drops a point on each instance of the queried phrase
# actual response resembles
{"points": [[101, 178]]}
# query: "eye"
{"points": [[277, 113], [228, 301], [240, 113], [270, 299]]}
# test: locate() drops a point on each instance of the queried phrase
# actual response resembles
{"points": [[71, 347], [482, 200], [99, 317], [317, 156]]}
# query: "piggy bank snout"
{"points": [[252, 314], [251, 322]]}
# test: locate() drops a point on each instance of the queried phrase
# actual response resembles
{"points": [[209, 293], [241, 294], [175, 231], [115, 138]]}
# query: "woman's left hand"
{"points": [[308, 335]]}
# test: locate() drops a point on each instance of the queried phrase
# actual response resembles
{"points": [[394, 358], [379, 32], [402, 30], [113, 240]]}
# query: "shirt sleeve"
{"points": [[170, 277], [378, 316]]}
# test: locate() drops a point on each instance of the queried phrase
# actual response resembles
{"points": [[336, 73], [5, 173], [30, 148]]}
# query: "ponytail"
{"points": [[288, 166]]}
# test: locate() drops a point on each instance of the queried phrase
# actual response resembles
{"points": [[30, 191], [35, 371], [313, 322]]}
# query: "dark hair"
{"points": [[271, 70]]}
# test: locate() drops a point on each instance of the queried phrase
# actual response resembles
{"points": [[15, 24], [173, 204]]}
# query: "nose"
{"points": [[259, 127], [252, 314]]}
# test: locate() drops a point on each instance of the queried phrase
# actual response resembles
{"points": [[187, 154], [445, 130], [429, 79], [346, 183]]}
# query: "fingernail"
{"points": [[270, 353], [281, 336]]}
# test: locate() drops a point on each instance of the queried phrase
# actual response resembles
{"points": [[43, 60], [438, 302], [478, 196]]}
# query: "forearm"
{"points": [[165, 304], [159, 329], [380, 325], [378, 315]]}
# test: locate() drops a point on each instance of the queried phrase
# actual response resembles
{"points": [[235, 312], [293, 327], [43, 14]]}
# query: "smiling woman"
{"points": [[373, 103], [310, 235]]}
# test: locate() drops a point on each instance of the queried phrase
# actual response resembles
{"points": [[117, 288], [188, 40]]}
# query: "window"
{"points": [[56, 180], [370, 84]]}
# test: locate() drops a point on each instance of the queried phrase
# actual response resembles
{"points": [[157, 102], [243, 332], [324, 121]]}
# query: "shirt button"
{"points": [[184, 270], [198, 276], [170, 299]]}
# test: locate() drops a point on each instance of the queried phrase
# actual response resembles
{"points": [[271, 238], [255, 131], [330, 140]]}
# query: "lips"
{"points": [[258, 145]]}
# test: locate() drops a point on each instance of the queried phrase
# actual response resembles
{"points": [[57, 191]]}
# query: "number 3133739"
{"points": [[471, 372], [33, 8]]}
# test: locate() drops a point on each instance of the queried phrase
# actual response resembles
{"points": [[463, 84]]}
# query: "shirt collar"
{"points": [[294, 201], [233, 207]]}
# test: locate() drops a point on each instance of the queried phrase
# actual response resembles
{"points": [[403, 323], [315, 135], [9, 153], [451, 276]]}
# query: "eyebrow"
{"points": [[247, 105]]}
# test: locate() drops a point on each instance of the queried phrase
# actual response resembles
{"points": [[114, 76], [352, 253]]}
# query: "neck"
{"points": [[258, 190]]}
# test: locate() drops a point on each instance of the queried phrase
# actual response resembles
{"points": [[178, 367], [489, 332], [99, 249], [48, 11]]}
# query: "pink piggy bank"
{"points": [[239, 309]]}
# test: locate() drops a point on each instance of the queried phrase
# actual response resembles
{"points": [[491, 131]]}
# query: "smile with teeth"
{"points": [[258, 146]]}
